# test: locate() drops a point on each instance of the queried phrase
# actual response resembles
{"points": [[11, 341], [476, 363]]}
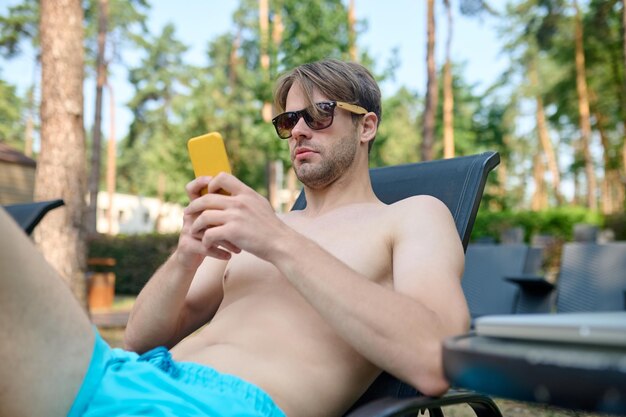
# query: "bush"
{"points": [[137, 257], [558, 222]]}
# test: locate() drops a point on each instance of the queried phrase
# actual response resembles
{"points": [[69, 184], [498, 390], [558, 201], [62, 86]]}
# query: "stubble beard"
{"points": [[331, 167]]}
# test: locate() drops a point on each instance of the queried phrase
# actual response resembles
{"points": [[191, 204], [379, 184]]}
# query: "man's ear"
{"points": [[369, 127]]}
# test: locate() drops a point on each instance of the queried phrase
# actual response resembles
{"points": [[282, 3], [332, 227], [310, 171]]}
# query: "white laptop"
{"points": [[598, 328]]}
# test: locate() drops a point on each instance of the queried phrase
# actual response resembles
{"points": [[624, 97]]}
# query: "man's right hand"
{"points": [[190, 251]]}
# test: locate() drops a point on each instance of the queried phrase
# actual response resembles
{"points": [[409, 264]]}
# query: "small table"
{"points": [[585, 377]]}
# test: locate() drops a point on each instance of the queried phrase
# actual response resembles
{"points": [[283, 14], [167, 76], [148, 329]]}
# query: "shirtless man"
{"points": [[305, 308]]}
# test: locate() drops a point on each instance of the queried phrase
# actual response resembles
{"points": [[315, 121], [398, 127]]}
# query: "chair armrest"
{"points": [[482, 405], [532, 283], [28, 215]]}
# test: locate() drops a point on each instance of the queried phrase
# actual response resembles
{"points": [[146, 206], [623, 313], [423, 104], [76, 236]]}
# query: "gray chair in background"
{"points": [[592, 277], [485, 283]]}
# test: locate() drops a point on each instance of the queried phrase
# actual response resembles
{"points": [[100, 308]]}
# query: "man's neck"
{"points": [[351, 188]]}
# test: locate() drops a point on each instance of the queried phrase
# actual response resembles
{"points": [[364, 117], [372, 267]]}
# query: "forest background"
{"points": [[555, 112]]}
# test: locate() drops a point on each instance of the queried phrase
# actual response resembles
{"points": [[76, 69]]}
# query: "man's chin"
{"points": [[312, 179]]}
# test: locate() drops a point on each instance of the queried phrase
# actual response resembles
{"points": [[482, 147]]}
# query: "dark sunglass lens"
{"points": [[323, 119], [325, 108], [285, 123]]}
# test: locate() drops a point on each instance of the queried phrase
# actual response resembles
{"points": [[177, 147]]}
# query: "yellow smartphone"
{"points": [[208, 155]]}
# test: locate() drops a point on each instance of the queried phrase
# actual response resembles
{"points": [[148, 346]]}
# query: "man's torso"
{"points": [[266, 333]]}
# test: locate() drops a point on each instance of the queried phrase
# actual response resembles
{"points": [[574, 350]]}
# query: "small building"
{"points": [[134, 214], [17, 176]]}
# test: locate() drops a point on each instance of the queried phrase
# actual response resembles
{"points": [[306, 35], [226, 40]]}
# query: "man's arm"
{"points": [[183, 294], [401, 329], [174, 303]]}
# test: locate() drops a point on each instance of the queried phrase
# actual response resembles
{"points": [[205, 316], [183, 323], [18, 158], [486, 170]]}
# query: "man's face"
{"points": [[320, 157]]}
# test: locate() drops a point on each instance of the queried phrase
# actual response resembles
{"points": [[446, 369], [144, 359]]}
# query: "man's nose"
{"points": [[301, 130]]}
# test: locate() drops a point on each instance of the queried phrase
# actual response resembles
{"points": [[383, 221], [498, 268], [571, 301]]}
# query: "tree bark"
{"points": [[622, 174], [351, 24], [583, 111], [96, 145], [265, 57], [61, 165], [610, 184], [111, 162], [448, 97], [540, 196], [428, 128], [543, 133]]}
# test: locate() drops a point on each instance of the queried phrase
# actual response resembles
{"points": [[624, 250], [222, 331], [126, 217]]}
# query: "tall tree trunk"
{"points": [[111, 162], [539, 199], [430, 110], [351, 24], [61, 165], [96, 145], [623, 171], [233, 60], [543, 133], [30, 124], [583, 111], [448, 98], [265, 57], [548, 150], [610, 182], [277, 29]]}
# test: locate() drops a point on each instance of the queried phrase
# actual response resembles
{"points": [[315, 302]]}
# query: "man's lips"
{"points": [[302, 153]]}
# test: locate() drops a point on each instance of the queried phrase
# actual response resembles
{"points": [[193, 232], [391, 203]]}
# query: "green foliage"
{"points": [[558, 222], [398, 137], [174, 101], [11, 124], [150, 163], [313, 30], [126, 27], [19, 24], [137, 257]]}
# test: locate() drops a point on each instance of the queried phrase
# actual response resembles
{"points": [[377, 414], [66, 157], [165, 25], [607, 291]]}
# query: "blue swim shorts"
{"points": [[121, 383]]}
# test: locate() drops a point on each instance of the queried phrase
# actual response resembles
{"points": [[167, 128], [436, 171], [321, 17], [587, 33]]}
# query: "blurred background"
{"points": [[540, 81]]}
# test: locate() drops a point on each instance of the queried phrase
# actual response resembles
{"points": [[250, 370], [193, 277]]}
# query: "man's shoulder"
{"points": [[420, 204], [421, 215]]}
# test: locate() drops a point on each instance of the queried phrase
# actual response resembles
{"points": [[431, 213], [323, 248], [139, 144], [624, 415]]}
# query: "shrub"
{"points": [[558, 222], [137, 257]]}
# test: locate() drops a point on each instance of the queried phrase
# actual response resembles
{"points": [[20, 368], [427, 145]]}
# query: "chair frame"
{"points": [[28, 215]]}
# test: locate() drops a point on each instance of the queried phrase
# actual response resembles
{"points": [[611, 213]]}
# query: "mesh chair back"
{"points": [[592, 277], [458, 182], [484, 284]]}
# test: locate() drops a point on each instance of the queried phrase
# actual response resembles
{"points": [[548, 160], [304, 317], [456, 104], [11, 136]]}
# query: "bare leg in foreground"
{"points": [[46, 339]]}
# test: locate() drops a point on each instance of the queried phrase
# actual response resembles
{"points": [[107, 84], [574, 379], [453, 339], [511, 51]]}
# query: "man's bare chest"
{"points": [[364, 246]]}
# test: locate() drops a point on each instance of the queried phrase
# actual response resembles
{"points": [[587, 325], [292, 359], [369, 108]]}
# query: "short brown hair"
{"points": [[342, 81]]}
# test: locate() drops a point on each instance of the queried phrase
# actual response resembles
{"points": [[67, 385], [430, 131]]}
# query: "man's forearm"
{"points": [[155, 318], [392, 330]]}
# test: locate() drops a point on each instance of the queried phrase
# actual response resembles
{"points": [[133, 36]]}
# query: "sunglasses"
{"points": [[285, 122]]}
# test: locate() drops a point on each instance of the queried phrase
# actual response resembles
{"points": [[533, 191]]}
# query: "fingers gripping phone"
{"points": [[208, 156]]}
